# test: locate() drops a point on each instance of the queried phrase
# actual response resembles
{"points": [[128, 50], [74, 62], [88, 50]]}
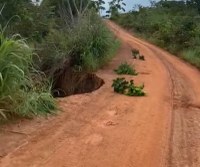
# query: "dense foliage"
{"points": [[19, 94], [173, 25], [62, 37]]}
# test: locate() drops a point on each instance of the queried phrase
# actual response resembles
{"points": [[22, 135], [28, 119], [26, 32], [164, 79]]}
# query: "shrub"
{"points": [[86, 46], [135, 90], [125, 68], [192, 56], [122, 86]]}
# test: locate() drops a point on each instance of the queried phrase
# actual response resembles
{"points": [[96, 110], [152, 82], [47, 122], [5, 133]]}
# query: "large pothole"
{"points": [[68, 83]]}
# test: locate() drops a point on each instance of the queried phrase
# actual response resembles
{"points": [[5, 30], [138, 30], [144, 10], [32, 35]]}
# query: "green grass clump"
{"points": [[125, 68], [192, 56], [128, 88], [19, 94]]}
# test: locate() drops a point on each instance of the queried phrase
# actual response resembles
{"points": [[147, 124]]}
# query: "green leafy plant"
{"points": [[135, 90], [120, 85], [125, 68], [128, 88]]}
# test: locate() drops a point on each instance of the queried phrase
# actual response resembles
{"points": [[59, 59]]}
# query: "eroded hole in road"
{"points": [[68, 83]]}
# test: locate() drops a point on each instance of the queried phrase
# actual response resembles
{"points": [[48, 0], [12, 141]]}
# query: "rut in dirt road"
{"points": [[183, 149], [105, 129], [185, 128]]}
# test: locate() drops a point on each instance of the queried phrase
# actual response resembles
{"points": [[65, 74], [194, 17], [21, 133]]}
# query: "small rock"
{"points": [[111, 123]]}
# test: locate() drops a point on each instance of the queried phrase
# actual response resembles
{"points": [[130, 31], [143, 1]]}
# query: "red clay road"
{"points": [[105, 129]]}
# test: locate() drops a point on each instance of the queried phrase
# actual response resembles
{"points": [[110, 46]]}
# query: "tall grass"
{"points": [[19, 95], [87, 45], [192, 56]]}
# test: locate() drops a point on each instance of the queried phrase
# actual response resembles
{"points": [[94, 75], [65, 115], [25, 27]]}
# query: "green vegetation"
{"points": [[63, 37], [135, 90], [120, 85], [128, 88], [172, 25], [125, 68], [87, 46], [19, 94]]}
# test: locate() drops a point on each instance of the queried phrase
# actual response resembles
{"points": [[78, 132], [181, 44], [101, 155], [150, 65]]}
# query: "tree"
{"points": [[194, 3], [115, 7], [11, 8]]}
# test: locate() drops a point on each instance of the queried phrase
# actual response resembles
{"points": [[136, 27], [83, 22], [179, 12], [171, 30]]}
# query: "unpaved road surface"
{"points": [[105, 129]]}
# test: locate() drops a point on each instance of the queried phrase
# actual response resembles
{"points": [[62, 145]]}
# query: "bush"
{"points": [[192, 56], [122, 86], [86, 46], [125, 68], [19, 95], [135, 90]]}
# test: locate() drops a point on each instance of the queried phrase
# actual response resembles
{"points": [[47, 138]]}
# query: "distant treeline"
{"points": [[173, 25]]}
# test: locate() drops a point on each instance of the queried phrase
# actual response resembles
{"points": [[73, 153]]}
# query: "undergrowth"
{"points": [[128, 88], [86, 46], [19, 94]]}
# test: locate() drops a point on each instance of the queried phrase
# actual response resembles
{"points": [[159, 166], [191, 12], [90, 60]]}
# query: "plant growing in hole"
{"points": [[135, 53], [128, 88], [135, 90], [141, 57], [125, 68], [120, 85]]}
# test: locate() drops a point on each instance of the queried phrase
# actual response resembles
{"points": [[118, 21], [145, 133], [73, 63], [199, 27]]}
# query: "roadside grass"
{"points": [[18, 94], [171, 25], [126, 69], [86, 46], [192, 56], [61, 45]]}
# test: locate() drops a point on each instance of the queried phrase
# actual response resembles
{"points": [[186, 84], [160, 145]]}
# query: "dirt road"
{"points": [[104, 129]]}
